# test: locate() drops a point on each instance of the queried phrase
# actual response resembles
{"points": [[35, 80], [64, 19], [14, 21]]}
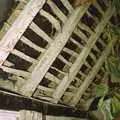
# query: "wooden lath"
{"points": [[18, 28], [92, 74], [54, 50], [81, 58], [15, 13], [60, 61]]}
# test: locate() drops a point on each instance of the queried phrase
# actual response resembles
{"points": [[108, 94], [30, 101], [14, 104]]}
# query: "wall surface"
{"points": [[31, 115]]}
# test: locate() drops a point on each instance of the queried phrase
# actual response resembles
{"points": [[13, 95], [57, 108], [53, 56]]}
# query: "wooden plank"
{"points": [[87, 64], [13, 84], [12, 18], [46, 89], [8, 63], [52, 78], [45, 98], [96, 49], [19, 27], [24, 56], [93, 57], [67, 4], [80, 34], [85, 27], [57, 11], [52, 20], [82, 57], [76, 43], [31, 44], [83, 74], [60, 57], [54, 50], [40, 32], [97, 6], [16, 72], [73, 88], [93, 73], [70, 52], [61, 72], [19, 8], [95, 18], [102, 42]]}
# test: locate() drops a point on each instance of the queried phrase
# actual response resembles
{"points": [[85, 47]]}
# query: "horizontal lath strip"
{"points": [[57, 11], [23, 56], [16, 72], [40, 32], [31, 44], [67, 5], [53, 20]]}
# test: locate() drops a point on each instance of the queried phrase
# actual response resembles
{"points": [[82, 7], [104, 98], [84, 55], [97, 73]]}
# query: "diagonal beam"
{"points": [[82, 57], [92, 74], [54, 50], [18, 28]]}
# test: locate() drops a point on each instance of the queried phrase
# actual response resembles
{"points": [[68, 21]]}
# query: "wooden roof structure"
{"points": [[53, 52]]}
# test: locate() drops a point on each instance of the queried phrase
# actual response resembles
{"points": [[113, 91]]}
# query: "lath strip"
{"points": [[31, 44], [8, 63], [18, 28], [19, 8], [93, 57], [52, 77], [16, 72], [57, 11], [54, 50], [61, 72], [63, 18], [40, 32], [24, 56], [67, 5], [64, 60], [76, 43], [85, 27], [53, 20], [83, 74], [80, 34], [69, 51], [92, 74], [82, 57], [96, 19], [98, 8]]}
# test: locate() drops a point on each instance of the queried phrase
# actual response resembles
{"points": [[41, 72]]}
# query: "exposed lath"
{"points": [[61, 51]]}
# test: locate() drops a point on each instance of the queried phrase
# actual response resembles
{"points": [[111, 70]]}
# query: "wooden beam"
{"points": [[16, 72], [52, 19], [23, 56], [57, 11], [31, 44], [40, 32], [52, 53], [18, 28], [67, 4], [92, 74], [82, 57]]}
